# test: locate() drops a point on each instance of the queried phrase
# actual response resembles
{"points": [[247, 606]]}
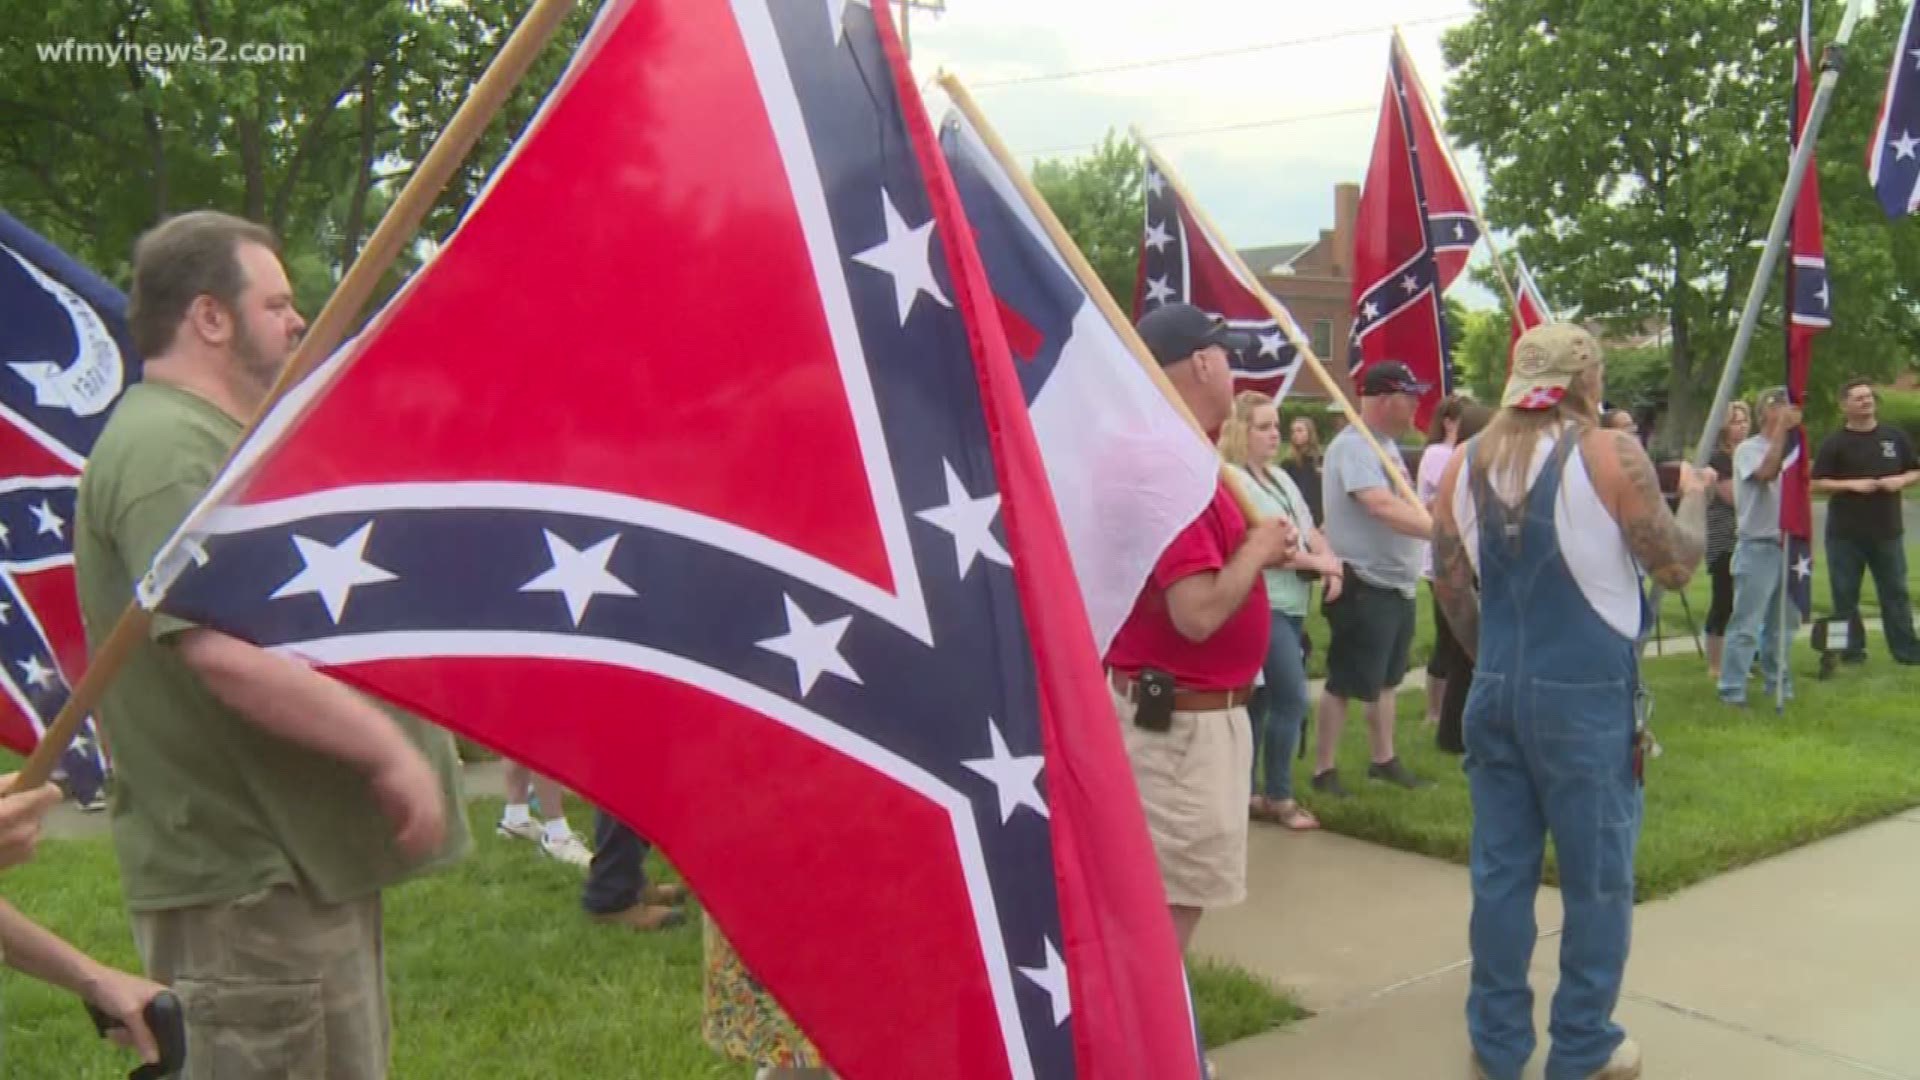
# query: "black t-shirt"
{"points": [[1860, 455], [1306, 476]]}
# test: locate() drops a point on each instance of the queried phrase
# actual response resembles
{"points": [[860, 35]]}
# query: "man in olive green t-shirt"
{"points": [[259, 807]]}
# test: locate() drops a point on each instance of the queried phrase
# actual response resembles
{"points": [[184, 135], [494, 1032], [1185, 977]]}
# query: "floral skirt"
{"points": [[741, 1020]]}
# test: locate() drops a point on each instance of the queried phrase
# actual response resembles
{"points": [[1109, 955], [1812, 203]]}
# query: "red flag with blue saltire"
{"points": [[65, 357], [693, 471], [1396, 278], [1893, 158], [1810, 304], [1531, 308], [1453, 228], [1181, 261]]}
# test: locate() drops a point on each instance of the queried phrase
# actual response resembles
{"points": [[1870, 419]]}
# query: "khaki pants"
{"points": [[1195, 779], [275, 985]]}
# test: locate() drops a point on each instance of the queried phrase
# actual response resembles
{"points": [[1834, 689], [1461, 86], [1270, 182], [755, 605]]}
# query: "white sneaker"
{"points": [[525, 830], [1623, 1065], [570, 850]]}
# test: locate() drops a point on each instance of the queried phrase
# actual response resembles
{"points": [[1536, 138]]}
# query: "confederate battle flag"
{"points": [[694, 472]]}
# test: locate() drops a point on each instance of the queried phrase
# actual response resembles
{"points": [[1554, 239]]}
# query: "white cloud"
{"points": [[1264, 184]]}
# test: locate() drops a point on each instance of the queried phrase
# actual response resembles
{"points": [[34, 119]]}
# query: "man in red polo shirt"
{"points": [[1183, 664]]}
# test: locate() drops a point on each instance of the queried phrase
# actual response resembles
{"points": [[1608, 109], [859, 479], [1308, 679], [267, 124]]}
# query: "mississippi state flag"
{"points": [[1397, 279], [693, 471], [64, 359], [1893, 158], [1127, 472], [1182, 262], [1810, 302], [1531, 310]]}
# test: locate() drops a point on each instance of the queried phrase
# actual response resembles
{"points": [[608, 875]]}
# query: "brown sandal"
{"points": [[1292, 815]]}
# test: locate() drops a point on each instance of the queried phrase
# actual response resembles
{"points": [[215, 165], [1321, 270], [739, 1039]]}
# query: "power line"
{"points": [[1214, 54], [1184, 133]]}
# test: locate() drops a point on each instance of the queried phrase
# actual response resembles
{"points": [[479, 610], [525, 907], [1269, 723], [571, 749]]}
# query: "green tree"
{"points": [[1621, 149], [1097, 197], [315, 144], [1480, 354]]}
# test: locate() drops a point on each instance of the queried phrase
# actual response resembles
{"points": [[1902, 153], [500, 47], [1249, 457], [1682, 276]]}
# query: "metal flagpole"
{"points": [[396, 229], [1831, 61]]}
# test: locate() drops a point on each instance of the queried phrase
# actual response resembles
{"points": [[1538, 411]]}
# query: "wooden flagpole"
{"points": [[1089, 280], [396, 229], [1395, 469], [1473, 204]]}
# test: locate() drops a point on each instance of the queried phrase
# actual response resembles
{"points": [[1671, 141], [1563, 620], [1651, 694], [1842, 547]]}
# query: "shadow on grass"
{"points": [[1733, 786]]}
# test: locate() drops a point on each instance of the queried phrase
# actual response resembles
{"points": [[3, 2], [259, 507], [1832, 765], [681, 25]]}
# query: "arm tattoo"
{"points": [[1454, 587], [1668, 546]]}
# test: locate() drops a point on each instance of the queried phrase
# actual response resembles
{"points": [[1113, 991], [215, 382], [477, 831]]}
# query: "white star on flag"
{"points": [[1903, 146], [1155, 182], [1825, 295], [333, 571], [906, 255], [1370, 311], [1409, 283], [1053, 979], [45, 521], [1270, 344], [969, 521], [6, 613], [1459, 230], [6, 536], [1803, 568], [1158, 291], [1013, 777], [1915, 53], [579, 574], [813, 647], [1157, 235], [36, 673]]}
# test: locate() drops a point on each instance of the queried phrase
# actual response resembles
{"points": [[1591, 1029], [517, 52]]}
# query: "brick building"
{"points": [[1315, 281]]}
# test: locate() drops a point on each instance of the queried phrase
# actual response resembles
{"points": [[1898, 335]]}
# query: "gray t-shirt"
{"points": [[1755, 502], [1379, 555]]}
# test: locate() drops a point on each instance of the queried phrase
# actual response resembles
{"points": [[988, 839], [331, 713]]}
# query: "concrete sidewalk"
{"points": [[1798, 968]]}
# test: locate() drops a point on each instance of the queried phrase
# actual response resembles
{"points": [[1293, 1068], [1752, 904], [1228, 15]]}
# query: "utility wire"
{"points": [[1183, 133], [1214, 54]]}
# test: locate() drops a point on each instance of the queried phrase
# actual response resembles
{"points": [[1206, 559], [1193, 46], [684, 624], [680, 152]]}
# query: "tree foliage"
{"points": [[316, 146], [1637, 148], [1097, 197]]}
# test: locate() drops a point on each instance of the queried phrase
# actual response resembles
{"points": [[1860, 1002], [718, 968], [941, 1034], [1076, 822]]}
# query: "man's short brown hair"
{"points": [[1846, 390], [180, 259]]}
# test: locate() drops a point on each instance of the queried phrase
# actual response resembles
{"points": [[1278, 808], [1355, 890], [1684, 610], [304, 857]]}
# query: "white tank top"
{"points": [[1590, 540]]}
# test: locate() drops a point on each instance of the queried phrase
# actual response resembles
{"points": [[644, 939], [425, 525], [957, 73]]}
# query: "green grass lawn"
{"points": [[494, 973], [1733, 786]]}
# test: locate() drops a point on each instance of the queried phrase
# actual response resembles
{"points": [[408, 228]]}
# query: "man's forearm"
{"points": [[1830, 486], [1201, 604], [288, 699], [1769, 467], [38, 952]]}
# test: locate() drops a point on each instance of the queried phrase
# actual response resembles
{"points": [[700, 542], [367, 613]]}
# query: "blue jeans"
{"points": [[1279, 708], [1848, 560], [618, 873], [1557, 757], [1754, 631]]}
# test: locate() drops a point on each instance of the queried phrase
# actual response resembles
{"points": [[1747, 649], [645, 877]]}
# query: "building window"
{"points": [[1323, 337]]}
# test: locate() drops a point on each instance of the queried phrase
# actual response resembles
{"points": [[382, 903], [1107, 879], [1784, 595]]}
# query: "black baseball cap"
{"points": [[1391, 377], [1174, 332]]}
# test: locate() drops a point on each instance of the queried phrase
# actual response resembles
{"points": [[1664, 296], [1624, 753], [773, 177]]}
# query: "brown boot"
{"points": [[643, 917], [665, 894]]}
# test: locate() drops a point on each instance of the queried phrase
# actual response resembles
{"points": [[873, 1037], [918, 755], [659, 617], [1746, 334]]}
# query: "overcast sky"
{"points": [[1263, 185]]}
